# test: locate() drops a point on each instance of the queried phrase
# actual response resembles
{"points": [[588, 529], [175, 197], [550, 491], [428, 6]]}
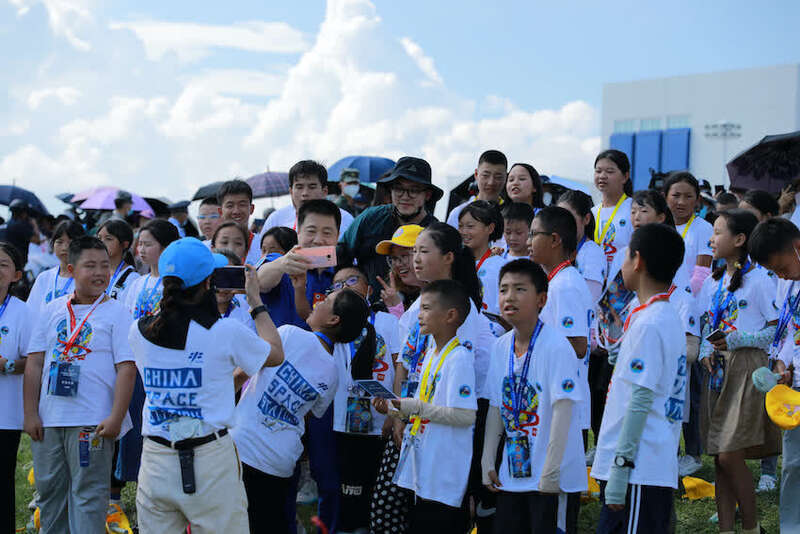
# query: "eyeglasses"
{"points": [[336, 286], [398, 260], [211, 216], [410, 192]]}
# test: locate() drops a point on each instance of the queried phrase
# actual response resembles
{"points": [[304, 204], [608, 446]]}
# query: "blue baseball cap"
{"points": [[190, 260]]}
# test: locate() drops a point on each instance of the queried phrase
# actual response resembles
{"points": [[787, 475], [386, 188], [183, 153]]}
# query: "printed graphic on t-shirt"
{"points": [[608, 240], [674, 405], [413, 350], [528, 414], [79, 350], [58, 293], [380, 365], [616, 298], [286, 394], [173, 393], [729, 314], [147, 303]]}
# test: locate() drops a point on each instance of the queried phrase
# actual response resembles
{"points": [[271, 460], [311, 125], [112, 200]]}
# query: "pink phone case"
{"points": [[319, 257]]}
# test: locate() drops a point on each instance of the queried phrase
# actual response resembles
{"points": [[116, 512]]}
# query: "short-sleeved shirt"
{"points": [[143, 296], [280, 299], [101, 344], [551, 377], [569, 308], [619, 230], [489, 274], [750, 308], [118, 287], [697, 241], [49, 285], [442, 454], [591, 262], [196, 382], [16, 324], [270, 416], [652, 355]]}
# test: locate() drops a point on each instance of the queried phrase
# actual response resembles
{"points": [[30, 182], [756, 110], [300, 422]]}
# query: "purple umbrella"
{"points": [[83, 195], [269, 184], [104, 200]]}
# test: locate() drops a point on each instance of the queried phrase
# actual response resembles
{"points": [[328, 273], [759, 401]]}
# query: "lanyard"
{"points": [[324, 338], [231, 306], [787, 312], [686, 228], [517, 387], [583, 240], [483, 259], [561, 266], [640, 307], [5, 304], [56, 292], [720, 306], [426, 391], [74, 332], [147, 299], [598, 237], [114, 277]]}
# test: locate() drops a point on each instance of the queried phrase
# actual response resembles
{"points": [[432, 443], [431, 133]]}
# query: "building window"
{"points": [[650, 124], [625, 126], [678, 121]]}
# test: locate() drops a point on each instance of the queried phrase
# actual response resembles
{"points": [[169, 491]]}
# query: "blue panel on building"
{"points": [[623, 142], [675, 149], [646, 155]]}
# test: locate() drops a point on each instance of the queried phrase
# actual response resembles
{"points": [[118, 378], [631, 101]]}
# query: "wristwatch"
{"points": [[9, 368], [258, 309], [621, 461]]}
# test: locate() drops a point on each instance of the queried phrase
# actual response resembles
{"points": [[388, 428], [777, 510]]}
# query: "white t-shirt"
{"points": [[476, 332], [143, 296], [652, 355], [750, 308], [507, 256], [591, 262], [790, 348], [387, 343], [552, 376], [619, 230], [240, 311], [488, 274], [697, 241], [435, 464], [16, 324], [196, 382], [120, 293], [101, 344], [45, 289], [270, 416]]}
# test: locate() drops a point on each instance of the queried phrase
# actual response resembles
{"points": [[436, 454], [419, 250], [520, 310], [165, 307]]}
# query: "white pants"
{"points": [[219, 503]]}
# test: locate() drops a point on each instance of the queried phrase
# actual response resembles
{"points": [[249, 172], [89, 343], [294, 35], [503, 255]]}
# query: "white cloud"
{"points": [[65, 17], [425, 63], [66, 95], [239, 82], [192, 41]]}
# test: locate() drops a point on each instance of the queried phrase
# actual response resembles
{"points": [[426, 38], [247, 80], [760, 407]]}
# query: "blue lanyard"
{"points": [[147, 300], [719, 307], [231, 305], [583, 240], [517, 387], [56, 292], [324, 338], [353, 348], [787, 312], [114, 277], [5, 305], [418, 349]]}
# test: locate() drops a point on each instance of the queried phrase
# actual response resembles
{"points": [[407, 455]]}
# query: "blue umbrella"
{"points": [[370, 168], [12, 192], [269, 184]]}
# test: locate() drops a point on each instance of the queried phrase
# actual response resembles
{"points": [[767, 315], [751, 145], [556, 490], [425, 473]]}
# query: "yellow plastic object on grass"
{"points": [[116, 521], [697, 488], [31, 480], [783, 406]]}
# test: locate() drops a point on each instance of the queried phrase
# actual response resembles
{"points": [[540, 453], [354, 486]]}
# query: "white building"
{"points": [[682, 121]]}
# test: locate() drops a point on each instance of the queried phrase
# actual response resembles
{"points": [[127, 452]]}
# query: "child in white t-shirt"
{"points": [[56, 282], [229, 303], [15, 329], [533, 398], [612, 177], [517, 219], [77, 407], [635, 460], [437, 446], [117, 236], [589, 258]]}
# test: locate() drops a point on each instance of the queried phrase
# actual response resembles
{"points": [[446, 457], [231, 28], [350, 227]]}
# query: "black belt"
{"points": [[188, 444]]}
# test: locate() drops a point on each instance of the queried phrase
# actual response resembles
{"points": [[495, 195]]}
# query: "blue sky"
{"points": [[165, 96]]}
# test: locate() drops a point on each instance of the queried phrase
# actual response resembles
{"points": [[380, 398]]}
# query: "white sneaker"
{"points": [[590, 456], [766, 483], [688, 465]]}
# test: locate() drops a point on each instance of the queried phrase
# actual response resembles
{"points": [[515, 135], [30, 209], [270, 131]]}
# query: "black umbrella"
{"points": [[159, 206], [768, 165], [206, 191], [12, 192], [65, 197]]}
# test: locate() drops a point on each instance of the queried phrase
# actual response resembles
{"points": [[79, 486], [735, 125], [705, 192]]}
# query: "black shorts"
{"points": [[648, 510], [526, 512]]}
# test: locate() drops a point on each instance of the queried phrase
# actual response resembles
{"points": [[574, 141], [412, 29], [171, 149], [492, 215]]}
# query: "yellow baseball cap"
{"points": [[405, 236], [783, 406]]}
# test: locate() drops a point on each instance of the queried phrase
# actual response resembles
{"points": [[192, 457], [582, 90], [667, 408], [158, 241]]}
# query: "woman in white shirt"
{"points": [[188, 356], [612, 177]]}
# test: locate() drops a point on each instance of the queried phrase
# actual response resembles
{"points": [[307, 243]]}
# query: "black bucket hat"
{"points": [[416, 170]]}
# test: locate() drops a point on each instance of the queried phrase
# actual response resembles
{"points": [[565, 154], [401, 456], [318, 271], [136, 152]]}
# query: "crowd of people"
{"points": [[427, 377]]}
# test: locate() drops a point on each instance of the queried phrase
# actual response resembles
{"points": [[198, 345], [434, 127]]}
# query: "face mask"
{"points": [[350, 190], [547, 198]]}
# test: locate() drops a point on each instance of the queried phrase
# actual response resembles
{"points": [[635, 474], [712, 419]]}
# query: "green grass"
{"points": [[692, 516]]}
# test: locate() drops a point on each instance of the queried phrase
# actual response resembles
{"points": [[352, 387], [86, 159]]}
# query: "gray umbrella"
{"points": [[768, 165]]}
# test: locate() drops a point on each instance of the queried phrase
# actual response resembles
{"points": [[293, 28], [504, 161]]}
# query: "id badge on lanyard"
{"points": [[64, 375], [518, 451]]}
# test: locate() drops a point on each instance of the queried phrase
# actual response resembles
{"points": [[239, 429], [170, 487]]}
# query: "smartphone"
{"points": [[320, 257], [230, 278], [716, 335]]}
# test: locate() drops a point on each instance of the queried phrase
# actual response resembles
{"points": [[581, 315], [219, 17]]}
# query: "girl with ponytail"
{"points": [[117, 236], [740, 319]]}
